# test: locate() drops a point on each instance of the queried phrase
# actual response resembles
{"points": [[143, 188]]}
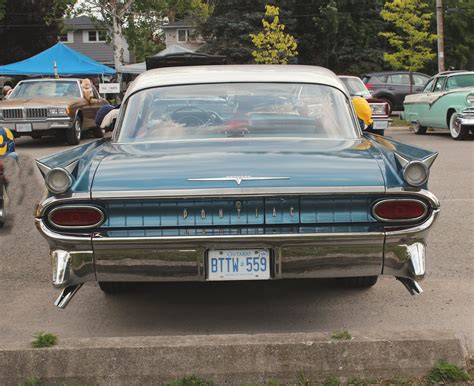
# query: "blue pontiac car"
{"points": [[245, 172]]}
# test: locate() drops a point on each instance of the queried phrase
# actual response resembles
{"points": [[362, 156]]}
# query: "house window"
{"points": [[182, 35], [94, 36], [67, 37]]}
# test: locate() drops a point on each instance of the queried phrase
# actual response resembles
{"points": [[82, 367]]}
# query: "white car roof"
{"points": [[172, 76]]}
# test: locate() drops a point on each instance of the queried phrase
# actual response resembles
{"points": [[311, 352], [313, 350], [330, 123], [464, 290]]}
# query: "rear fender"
{"points": [[80, 162], [394, 155]]}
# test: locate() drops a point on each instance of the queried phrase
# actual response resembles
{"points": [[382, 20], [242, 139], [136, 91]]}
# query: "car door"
{"points": [[417, 106], [419, 82], [399, 85], [90, 109], [435, 116]]}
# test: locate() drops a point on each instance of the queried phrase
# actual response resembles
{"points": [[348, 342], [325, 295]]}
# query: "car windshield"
{"points": [[356, 87], [41, 88], [205, 111], [458, 81]]}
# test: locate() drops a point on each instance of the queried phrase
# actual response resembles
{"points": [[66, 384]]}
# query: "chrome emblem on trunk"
{"points": [[238, 179]]}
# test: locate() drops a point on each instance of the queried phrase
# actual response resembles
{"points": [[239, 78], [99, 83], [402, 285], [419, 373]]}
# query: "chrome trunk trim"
{"points": [[237, 192]]}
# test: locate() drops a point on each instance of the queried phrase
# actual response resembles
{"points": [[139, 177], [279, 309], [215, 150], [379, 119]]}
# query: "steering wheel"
{"points": [[194, 120]]}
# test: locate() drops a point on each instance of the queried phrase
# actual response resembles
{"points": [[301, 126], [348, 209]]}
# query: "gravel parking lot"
{"points": [[26, 296]]}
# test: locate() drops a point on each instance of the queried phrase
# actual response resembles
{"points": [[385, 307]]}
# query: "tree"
{"points": [[273, 45], [411, 37], [459, 34], [114, 14], [30, 26], [227, 29], [140, 21]]}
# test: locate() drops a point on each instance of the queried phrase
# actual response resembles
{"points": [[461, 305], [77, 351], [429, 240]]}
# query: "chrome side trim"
{"points": [[63, 198], [102, 216], [421, 193], [377, 203], [241, 192]]}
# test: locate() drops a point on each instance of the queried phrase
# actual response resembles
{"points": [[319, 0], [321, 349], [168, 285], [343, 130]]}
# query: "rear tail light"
{"points": [[76, 217], [399, 210], [369, 86]]}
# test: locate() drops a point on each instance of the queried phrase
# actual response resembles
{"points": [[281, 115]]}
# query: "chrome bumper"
{"points": [[39, 125], [80, 259], [466, 120]]}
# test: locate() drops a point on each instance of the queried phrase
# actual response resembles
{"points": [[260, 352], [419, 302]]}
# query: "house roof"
{"points": [[80, 23], [178, 24]]}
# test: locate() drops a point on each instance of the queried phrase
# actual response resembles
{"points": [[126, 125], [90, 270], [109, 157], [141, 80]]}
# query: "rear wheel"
{"points": [[418, 129], [73, 134], [358, 282], [458, 131]]}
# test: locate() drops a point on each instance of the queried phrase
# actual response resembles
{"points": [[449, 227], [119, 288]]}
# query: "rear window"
{"points": [[399, 79], [355, 86], [231, 110], [380, 78]]}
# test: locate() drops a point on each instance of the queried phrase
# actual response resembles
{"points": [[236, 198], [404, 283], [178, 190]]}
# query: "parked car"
{"points": [[41, 107], [380, 108], [393, 86], [241, 172], [447, 102]]}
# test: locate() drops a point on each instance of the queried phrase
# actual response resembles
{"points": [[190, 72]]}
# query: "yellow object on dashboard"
{"points": [[363, 110]]}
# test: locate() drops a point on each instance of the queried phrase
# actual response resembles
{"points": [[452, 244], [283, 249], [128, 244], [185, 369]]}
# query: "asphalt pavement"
{"points": [[26, 295]]}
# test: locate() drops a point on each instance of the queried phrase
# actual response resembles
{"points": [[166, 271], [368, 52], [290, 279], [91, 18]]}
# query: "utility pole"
{"points": [[440, 32]]}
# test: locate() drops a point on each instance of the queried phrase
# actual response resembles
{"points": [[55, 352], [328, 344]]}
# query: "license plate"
{"points": [[23, 127], [380, 125], [239, 264]]}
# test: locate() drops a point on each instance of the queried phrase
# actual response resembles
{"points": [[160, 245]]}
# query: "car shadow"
{"points": [[229, 307]]}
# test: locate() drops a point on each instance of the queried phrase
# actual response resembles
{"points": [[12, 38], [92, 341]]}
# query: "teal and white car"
{"points": [[447, 102]]}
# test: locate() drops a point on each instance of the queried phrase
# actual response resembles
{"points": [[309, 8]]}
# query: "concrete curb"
{"points": [[229, 358]]}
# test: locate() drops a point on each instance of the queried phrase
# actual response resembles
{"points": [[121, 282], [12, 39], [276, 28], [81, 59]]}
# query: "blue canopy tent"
{"points": [[67, 61]]}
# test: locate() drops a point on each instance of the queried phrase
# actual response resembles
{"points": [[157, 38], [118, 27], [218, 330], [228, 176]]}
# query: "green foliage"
{"points": [[361, 381], [227, 30], [459, 34], [445, 372], [42, 340], [29, 27], [341, 335], [141, 20], [302, 379], [411, 37], [331, 381], [273, 382], [273, 45], [191, 381], [32, 381]]}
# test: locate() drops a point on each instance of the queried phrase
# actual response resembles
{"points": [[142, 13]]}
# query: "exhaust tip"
{"points": [[411, 285], [66, 295]]}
